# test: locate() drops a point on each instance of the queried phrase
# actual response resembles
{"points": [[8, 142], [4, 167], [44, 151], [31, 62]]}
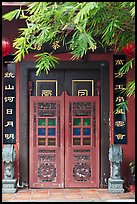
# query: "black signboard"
{"points": [[9, 104], [120, 124]]}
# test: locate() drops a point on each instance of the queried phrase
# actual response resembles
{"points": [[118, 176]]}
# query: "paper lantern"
{"points": [[6, 46], [129, 49]]}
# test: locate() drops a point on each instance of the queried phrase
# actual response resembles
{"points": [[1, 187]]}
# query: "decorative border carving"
{"points": [[46, 81], [92, 85]]}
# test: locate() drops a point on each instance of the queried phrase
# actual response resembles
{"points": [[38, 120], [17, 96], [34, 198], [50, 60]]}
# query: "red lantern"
{"points": [[6, 46], [129, 49]]}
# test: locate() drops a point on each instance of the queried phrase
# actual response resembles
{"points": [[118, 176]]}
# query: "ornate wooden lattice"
{"points": [[82, 143], [47, 161], [64, 141]]}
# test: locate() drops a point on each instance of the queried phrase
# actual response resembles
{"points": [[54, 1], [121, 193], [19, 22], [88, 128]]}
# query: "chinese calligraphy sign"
{"points": [[9, 104], [120, 132]]}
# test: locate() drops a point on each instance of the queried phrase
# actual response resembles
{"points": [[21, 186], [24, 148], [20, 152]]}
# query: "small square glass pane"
{"points": [[41, 141], [77, 121], [76, 141], [86, 131], [41, 131], [51, 122], [51, 142], [41, 122], [51, 131], [86, 121], [86, 141], [76, 131]]}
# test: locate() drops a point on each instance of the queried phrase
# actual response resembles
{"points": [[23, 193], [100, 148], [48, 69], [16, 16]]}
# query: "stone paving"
{"points": [[67, 195]]}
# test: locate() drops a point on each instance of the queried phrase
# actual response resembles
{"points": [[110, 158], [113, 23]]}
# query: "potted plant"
{"points": [[132, 176]]}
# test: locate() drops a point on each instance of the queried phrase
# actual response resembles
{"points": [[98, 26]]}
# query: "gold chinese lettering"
{"points": [[8, 75], [119, 62], [118, 75], [119, 123], [46, 92], [120, 136], [9, 111], [119, 87], [9, 88], [82, 92], [119, 99], [8, 136], [120, 111], [9, 123], [9, 99]]}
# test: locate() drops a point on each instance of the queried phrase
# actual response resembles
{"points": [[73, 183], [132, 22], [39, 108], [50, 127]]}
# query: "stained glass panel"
{"points": [[86, 131], [51, 131], [76, 121], [51, 141], [86, 121], [51, 121], [41, 122], [41, 131], [76, 131], [76, 141], [86, 141], [41, 141]]}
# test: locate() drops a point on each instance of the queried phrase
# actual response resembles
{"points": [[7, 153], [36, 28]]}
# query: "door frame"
{"points": [[25, 67]]}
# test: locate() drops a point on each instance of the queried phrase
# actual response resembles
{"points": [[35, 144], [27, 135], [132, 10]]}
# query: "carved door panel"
{"points": [[64, 141], [81, 141], [46, 142]]}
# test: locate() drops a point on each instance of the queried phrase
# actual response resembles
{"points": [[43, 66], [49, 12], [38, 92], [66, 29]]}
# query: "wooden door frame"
{"points": [[104, 67]]}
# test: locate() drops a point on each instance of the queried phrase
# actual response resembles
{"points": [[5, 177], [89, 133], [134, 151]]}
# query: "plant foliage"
{"points": [[112, 23]]}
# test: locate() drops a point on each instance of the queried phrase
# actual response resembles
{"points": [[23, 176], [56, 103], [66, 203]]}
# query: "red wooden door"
{"points": [[64, 141], [81, 141], [46, 152]]}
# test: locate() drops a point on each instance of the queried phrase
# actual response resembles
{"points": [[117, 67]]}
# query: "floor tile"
{"points": [[65, 195]]}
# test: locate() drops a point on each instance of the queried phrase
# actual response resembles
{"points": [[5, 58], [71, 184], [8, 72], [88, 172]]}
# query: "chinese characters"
{"points": [[120, 136], [9, 105]]}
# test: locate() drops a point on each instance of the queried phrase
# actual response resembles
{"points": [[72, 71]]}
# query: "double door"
{"points": [[64, 131]]}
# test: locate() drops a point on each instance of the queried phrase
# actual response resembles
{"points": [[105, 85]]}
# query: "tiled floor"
{"points": [[67, 195]]}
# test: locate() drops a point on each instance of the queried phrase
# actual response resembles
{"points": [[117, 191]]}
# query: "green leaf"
{"points": [[133, 12], [126, 67], [87, 7], [11, 15], [45, 61], [130, 88], [121, 105]]}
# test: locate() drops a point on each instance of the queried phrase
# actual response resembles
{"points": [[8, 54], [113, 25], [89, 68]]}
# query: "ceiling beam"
{"points": [[15, 3]]}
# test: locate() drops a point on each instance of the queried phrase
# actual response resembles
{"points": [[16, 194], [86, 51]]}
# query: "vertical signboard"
{"points": [[9, 104], [120, 124]]}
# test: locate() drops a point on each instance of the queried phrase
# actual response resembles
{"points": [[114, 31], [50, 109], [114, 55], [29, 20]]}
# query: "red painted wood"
{"points": [[93, 149], [64, 149], [16, 167], [58, 149], [2, 115]]}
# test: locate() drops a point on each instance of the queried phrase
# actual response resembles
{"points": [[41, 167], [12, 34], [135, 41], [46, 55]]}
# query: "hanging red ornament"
{"points": [[6, 46], [129, 49]]}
